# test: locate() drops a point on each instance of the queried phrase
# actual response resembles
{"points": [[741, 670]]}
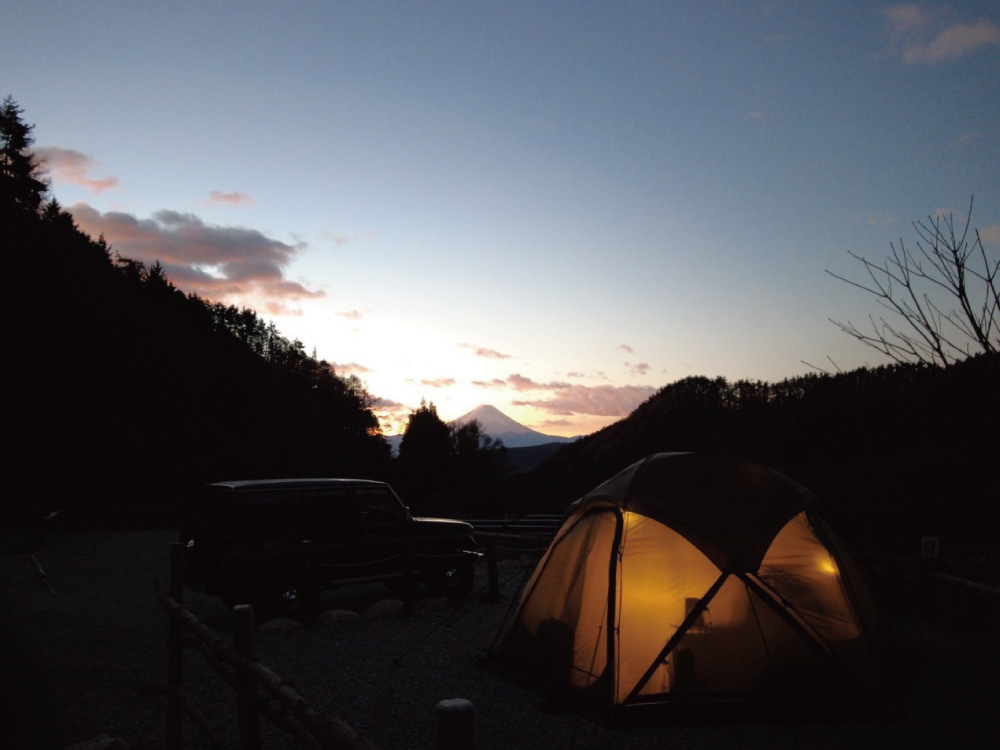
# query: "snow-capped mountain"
{"points": [[497, 425], [513, 434]]}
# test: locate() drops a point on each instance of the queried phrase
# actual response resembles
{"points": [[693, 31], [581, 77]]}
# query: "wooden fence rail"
{"points": [[528, 535], [237, 666]]}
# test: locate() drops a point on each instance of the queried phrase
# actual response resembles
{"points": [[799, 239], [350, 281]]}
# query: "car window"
{"points": [[329, 507], [266, 511], [379, 503]]}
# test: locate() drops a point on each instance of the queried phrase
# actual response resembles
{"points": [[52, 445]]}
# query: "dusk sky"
{"points": [[553, 208]]}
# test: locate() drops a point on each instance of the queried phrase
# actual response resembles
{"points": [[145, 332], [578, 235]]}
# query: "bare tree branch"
{"points": [[943, 296]]}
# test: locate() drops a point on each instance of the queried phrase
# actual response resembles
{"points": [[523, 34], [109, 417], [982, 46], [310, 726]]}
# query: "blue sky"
{"points": [[554, 208]]}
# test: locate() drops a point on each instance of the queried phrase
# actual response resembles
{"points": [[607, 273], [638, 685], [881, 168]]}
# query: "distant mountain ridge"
{"points": [[497, 425], [512, 433]]}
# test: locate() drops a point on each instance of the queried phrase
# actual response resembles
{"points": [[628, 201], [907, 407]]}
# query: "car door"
{"points": [[381, 527]]}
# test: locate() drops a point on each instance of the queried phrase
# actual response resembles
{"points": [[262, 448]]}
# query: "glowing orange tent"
{"points": [[694, 577]]}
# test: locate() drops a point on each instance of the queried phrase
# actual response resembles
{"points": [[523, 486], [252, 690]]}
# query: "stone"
{"points": [[333, 616], [384, 608]]}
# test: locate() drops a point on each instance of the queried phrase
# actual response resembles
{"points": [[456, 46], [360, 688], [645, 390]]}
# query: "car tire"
{"points": [[293, 598], [454, 580]]}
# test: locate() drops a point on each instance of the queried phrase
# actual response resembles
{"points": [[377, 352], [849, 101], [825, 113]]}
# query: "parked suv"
{"points": [[275, 543]]}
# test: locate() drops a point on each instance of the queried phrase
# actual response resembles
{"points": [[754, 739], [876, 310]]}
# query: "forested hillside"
{"points": [[894, 453]]}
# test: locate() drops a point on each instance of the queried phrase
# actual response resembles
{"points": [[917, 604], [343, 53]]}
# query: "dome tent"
{"points": [[693, 578]]}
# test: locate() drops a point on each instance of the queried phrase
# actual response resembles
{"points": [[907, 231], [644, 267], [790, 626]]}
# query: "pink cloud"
{"points": [[639, 368], [601, 400], [233, 199], [67, 165], [956, 42], [339, 239], [923, 36], [495, 383], [224, 263], [481, 351], [438, 382], [626, 348], [990, 234], [349, 368], [568, 399], [520, 383]]}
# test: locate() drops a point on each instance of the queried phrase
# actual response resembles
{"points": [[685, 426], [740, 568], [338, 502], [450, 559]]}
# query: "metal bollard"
{"points": [[455, 724]]}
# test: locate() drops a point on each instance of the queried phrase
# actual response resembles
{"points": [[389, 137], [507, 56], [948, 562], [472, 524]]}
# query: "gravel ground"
{"points": [[76, 644]]}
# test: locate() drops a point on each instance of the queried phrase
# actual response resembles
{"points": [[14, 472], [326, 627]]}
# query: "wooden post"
{"points": [[455, 724], [175, 648], [491, 569], [246, 690]]}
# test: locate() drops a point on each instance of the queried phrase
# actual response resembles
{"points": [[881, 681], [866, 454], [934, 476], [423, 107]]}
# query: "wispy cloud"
{"points": [[339, 239], [217, 197], [494, 383], [481, 351], [878, 219], [67, 165], [565, 399], [990, 234], [637, 368], [225, 263], [922, 35], [438, 382], [349, 368], [599, 400], [520, 383], [626, 348]]}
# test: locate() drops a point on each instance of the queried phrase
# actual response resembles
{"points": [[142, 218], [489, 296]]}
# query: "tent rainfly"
{"points": [[693, 578]]}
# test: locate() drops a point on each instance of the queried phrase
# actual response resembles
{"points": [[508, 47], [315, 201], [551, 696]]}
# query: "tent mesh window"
{"points": [[560, 631]]}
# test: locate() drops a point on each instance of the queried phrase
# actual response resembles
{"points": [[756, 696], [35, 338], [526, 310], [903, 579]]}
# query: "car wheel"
{"points": [[294, 599], [455, 580]]}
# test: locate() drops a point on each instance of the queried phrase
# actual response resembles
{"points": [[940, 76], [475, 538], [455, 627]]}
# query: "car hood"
{"points": [[443, 521]]}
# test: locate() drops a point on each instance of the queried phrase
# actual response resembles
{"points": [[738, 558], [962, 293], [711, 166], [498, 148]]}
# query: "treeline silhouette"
{"points": [[894, 453], [127, 390]]}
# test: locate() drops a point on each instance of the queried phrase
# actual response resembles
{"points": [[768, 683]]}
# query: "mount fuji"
{"points": [[499, 426]]}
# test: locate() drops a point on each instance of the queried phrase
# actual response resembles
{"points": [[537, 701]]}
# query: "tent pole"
{"points": [[612, 627], [803, 628], [693, 615]]}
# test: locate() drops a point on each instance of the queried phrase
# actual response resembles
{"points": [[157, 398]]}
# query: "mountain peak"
{"points": [[513, 434], [493, 422]]}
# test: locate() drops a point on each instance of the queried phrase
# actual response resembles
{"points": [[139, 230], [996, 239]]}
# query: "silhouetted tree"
{"points": [[478, 465], [21, 184], [426, 445], [944, 296]]}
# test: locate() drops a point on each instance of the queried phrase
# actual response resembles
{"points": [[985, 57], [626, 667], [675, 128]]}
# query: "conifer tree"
{"points": [[21, 184]]}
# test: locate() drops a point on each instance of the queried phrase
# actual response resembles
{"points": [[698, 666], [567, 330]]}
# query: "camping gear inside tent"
{"points": [[697, 577]]}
